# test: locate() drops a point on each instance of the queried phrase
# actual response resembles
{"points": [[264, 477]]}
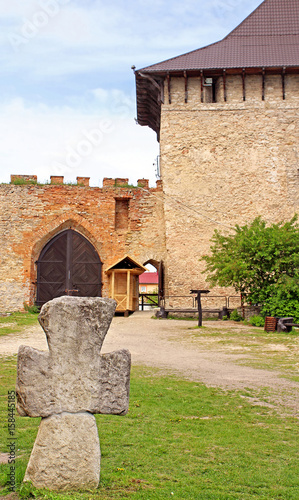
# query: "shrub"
{"points": [[31, 309], [261, 262], [284, 299], [235, 316], [257, 321]]}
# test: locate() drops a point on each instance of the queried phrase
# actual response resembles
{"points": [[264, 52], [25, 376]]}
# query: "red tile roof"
{"points": [[268, 37], [148, 278]]}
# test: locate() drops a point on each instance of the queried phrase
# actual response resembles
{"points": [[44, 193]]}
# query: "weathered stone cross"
{"points": [[65, 386]]}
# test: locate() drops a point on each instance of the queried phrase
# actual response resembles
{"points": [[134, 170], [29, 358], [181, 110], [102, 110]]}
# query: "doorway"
{"points": [[68, 265]]}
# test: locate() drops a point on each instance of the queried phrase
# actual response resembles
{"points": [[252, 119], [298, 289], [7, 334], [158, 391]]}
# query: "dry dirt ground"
{"points": [[176, 347]]}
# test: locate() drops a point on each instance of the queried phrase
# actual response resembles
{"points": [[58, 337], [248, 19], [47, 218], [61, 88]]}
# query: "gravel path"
{"points": [[165, 344]]}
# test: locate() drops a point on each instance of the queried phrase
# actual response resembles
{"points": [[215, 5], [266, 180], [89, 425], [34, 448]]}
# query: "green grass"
{"points": [[23, 182], [179, 440], [16, 321], [259, 349]]}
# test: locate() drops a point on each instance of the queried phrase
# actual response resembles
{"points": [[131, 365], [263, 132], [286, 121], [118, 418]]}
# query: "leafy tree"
{"points": [[260, 262]]}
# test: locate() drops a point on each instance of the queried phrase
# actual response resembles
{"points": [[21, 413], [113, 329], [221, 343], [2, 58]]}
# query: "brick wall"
{"points": [[222, 164], [30, 215]]}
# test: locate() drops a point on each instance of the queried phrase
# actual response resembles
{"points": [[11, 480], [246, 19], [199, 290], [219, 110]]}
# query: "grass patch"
{"points": [[184, 318], [23, 182], [179, 440], [15, 322], [258, 349]]}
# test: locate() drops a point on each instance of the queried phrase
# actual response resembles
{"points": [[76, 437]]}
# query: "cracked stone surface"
{"points": [[65, 386], [73, 376], [66, 453]]}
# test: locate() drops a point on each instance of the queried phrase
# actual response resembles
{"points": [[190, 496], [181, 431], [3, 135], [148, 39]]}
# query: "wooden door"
{"points": [[68, 265]]}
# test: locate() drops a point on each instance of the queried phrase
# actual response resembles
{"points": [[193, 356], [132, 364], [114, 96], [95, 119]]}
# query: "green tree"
{"points": [[261, 262]]}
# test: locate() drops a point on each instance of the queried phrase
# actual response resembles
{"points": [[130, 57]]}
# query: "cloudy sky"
{"points": [[67, 89]]}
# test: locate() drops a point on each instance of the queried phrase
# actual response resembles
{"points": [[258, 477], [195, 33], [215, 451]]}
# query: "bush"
{"points": [[284, 299], [235, 316], [31, 309], [257, 321], [261, 262]]}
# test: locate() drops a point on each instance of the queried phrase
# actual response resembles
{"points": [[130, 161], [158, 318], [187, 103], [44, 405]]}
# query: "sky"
{"points": [[68, 102]]}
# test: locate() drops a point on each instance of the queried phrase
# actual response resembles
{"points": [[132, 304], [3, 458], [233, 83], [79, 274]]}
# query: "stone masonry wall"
{"points": [[223, 164], [30, 215]]}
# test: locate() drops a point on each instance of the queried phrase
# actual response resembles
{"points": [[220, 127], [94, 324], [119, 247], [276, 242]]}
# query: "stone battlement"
{"points": [[232, 90], [117, 219], [83, 181]]}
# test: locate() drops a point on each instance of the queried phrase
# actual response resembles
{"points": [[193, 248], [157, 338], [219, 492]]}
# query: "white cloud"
{"points": [[97, 35], [63, 141], [71, 71]]}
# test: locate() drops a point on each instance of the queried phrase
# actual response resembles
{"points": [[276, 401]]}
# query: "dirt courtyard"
{"points": [[176, 347]]}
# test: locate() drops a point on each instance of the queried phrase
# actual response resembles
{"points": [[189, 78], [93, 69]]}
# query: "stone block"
{"points": [[143, 183], [73, 376], [84, 181], [66, 454], [57, 179]]}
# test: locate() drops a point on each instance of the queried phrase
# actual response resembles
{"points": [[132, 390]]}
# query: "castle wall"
{"points": [[30, 215], [225, 163]]}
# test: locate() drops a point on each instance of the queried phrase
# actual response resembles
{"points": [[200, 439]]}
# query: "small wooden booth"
{"points": [[124, 284]]}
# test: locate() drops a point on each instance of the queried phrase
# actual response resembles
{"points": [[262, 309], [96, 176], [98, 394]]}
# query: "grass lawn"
{"points": [[254, 346], [179, 440], [16, 321]]}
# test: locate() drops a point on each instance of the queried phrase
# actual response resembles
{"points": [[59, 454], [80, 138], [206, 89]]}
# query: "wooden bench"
{"points": [[290, 325], [163, 313], [286, 325]]}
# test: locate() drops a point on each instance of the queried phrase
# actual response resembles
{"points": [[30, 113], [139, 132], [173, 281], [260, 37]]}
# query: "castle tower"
{"points": [[226, 117]]}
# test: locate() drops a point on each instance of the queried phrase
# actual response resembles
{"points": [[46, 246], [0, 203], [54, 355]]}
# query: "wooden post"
{"points": [[263, 83], [186, 86], [169, 88], [128, 289], [199, 308], [224, 85], [283, 83], [112, 284], [243, 83]]}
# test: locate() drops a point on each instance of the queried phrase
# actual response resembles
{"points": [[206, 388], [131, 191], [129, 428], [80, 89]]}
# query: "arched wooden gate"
{"points": [[68, 265]]}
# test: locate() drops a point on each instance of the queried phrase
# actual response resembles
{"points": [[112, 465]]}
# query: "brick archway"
{"points": [[68, 265], [46, 233]]}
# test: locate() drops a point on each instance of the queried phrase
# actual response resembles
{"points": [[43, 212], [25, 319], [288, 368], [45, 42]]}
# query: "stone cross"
{"points": [[65, 386]]}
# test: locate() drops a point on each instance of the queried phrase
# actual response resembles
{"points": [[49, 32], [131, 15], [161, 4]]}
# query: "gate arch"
{"points": [[68, 265]]}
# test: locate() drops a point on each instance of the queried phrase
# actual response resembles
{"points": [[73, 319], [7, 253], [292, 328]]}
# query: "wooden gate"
{"points": [[68, 265]]}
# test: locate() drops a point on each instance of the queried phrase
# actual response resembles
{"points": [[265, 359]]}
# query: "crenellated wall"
{"points": [[32, 214], [253, 90], [224, 163]]}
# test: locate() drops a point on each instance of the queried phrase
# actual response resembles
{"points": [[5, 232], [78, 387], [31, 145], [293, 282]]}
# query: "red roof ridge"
{"points": [[268, 39], [245, 20], [178, 57], [276, 21]]}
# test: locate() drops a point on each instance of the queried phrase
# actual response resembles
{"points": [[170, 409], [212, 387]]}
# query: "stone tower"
{"points": [[227, 119]]}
